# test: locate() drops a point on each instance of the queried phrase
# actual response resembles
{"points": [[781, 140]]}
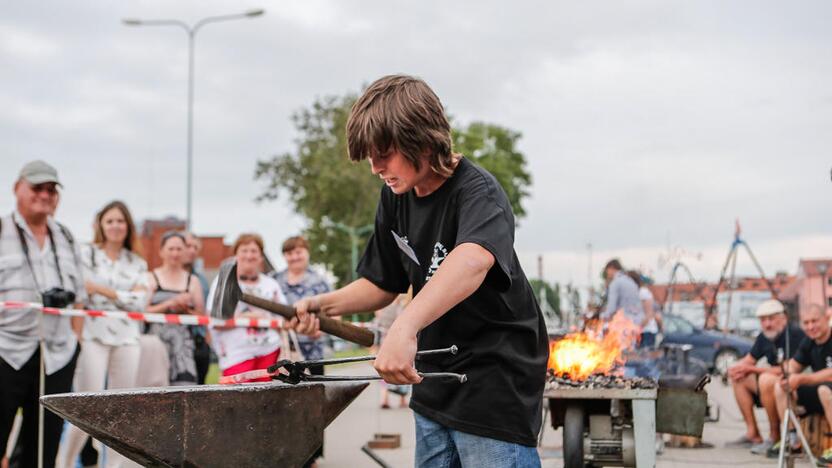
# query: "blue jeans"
{"points": [[438, 446]]}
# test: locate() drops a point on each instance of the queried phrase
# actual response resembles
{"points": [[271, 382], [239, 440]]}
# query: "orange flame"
{"points": [[580, 355]]}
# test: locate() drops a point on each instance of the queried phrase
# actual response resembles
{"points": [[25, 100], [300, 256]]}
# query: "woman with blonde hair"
{"points": [[114, 271]]}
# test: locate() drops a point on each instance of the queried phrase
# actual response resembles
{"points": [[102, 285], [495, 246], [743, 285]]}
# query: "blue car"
{"points": [[717, 349]]}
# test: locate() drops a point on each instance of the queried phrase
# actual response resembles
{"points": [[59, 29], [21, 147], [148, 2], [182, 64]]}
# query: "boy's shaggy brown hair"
{"points": [[400, 112]]}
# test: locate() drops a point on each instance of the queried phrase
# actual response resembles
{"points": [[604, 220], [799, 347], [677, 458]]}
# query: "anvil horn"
{"points": [[249, 425]]}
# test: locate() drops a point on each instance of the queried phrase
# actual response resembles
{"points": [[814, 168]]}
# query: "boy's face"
{"points": [[398, 173]]}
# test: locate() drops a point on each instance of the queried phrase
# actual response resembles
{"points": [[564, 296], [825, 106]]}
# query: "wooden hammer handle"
{"points": [[329, 325]]}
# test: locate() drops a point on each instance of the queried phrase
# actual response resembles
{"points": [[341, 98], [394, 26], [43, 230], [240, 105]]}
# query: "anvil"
{"points": [[249, 425]]}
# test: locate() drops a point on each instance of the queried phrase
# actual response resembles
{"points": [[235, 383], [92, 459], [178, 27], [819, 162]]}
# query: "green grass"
{"points": [[213, 375]]}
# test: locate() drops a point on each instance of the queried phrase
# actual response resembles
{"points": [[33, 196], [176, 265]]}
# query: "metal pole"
{"points": [[823, 269], [760, 270], [353, 252], [731, 287], [41, 392], [191, 46], [191, 31]]}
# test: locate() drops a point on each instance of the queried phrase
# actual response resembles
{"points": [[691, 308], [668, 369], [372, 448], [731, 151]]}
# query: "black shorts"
{"points": [[755, 396], [807, 397]]}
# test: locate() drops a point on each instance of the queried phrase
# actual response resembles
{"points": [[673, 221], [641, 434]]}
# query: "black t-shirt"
{"points": [[775, 351], [500, 332], [818, 356]]}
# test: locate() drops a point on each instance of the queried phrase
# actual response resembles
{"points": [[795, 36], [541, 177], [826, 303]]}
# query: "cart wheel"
{"points": [[573, 437]]}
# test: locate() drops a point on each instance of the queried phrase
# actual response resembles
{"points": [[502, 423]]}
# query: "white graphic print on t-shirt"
{"points": [[439, 254]]}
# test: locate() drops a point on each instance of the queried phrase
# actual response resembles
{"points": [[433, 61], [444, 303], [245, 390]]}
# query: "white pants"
{"points": [[154, 365], [120, 366]]}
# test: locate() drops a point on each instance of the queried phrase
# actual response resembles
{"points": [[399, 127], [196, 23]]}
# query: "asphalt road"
{"points": [[361, 420]]}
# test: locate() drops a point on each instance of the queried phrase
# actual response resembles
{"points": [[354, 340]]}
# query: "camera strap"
{"points": [[25, 246]]}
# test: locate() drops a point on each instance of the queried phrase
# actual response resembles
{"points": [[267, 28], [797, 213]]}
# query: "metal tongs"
{"points": [[295, 372]]}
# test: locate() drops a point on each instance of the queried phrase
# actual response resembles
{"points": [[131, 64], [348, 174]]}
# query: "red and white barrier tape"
{"points": [[174, 319]]}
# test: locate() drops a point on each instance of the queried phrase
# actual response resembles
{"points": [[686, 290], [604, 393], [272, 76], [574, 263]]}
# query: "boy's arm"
{"points": [[459, 276], [359, 296]]}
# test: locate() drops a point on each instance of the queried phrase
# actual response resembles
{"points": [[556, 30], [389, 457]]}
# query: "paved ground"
{"points": [[363, 418]]}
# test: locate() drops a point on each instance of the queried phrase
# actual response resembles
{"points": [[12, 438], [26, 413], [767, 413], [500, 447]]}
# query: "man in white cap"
{"points": [[754, 385], [38, 263], [813, 390]]}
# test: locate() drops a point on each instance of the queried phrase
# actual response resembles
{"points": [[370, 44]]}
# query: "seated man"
{"points": [[813, 390], [753, 385]]}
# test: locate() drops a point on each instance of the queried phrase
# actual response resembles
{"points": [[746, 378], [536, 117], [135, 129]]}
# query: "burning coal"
{"points": [[600, 381], [580, 355]]}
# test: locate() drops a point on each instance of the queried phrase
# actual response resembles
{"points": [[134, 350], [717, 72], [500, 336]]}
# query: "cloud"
{"points": [[640, 119]]}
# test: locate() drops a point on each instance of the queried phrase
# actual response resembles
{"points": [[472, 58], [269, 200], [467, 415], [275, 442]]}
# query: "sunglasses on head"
{"points": [[171, 234]]}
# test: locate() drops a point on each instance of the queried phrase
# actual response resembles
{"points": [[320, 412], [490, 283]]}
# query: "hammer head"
{"points": [[227, 292]]}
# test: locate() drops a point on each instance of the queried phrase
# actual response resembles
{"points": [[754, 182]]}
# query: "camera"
{"points": [[58, 298]]}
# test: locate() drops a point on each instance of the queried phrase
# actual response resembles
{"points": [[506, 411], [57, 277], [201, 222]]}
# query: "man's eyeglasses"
{"points": [[51, 189]]}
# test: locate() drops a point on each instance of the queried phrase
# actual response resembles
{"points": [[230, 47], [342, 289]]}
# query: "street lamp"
{"points": [[191, 32], [822, 268], [355, 233]]}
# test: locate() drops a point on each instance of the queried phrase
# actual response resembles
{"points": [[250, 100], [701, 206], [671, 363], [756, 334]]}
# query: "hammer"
{"points": [[228, 294]]}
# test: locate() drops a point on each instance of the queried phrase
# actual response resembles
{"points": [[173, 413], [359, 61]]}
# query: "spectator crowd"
{"points": [[41, 262]]}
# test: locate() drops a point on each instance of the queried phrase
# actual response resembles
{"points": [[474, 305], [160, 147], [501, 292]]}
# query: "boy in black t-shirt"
{"points": [[813, 391], [444, 226], [753, 385]]}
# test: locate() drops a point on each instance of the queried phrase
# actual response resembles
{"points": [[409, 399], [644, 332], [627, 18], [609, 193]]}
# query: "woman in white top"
{"points": [[652, 320], [114, 274], [245, 349]]}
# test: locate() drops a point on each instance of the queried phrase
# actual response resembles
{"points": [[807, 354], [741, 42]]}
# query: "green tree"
{"points": [[327, 189], [322, 184], [493, 148], [548, 296]]}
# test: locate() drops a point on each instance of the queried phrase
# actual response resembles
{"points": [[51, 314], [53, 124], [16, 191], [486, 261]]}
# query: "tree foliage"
{"points": [[329, 190], [321, 182], [493, 148], [548, 296]]}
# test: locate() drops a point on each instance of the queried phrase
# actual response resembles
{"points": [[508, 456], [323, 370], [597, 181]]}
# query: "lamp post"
{"points": [[191, 32], [822, 269], [355, 233]]}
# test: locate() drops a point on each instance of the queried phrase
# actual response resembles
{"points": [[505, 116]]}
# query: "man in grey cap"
{"points": [[38, 263]]}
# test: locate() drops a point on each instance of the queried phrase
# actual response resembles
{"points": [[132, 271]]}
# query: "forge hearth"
{"points": [[599, 381], [607, 420]]}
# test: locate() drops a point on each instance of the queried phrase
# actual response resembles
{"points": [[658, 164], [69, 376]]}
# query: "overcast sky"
{"points": [[646, 124]]}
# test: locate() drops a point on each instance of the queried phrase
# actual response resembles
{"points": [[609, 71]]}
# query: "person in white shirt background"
{"points": [[114, 273], [244, 349]]}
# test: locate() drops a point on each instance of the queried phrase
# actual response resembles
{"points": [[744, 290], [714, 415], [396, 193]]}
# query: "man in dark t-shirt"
{"points": [[813, 390], [754, 385], [445, 226]]}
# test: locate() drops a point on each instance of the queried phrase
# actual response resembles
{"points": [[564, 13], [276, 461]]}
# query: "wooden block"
{"points": [[815, 428], [678, 441], [385, 441]]}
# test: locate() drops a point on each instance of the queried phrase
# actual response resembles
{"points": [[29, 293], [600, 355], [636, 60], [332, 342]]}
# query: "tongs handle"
{"points": [[462, 378], [453, 350], [300, 365]]}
